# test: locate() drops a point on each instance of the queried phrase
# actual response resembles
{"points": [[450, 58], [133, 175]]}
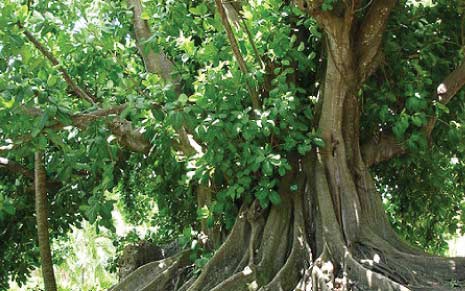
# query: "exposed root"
{"points": [[300, 256], [245, 280], [273, 250], [421, 271], [337, 247], [228, 256], [155, 275], [322, 275]]}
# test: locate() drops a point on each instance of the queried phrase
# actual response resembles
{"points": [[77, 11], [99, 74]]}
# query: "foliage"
{"points": [[80, 261], [425, 189]]}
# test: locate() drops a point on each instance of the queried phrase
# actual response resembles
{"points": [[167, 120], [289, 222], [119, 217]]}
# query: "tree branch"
{"points": [[380, 149], [74, 87], [15, 168], [126, 134], [82, 120], [324, 18], [370, 36], [123, 130], [157, 63], [129, 137], [386, 147], [237, 53], [446, 90]]}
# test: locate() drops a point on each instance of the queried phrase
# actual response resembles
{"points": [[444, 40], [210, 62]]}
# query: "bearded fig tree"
{"points": [[312, 145]]}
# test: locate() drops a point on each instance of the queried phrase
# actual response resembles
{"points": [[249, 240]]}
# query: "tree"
{"points": [[269, 119]]}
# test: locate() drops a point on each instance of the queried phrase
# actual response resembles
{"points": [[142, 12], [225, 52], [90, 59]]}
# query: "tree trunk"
{"points": [[42, 223]]}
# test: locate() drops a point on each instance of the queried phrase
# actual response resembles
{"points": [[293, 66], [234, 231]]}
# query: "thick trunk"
{"points": [[42, 223]]}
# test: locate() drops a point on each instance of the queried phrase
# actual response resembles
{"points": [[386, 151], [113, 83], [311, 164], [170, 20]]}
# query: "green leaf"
{"points": [[183, 99], [275, 198], [203, 213], [40, 125], [267, 168], [144, 15], [319, 142], [418, 120], [52, 80], [303, 148], [441, 107], [9, 208], [400, 127], [56, 139], [7, 103], [199, 10], [263, 199]]}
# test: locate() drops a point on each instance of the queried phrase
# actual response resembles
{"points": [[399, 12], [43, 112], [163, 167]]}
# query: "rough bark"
{"points": [[42, 223]]}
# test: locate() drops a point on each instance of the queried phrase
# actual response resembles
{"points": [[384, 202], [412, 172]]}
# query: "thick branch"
{"points": [[78, 120], [126, 134], [132, 138], [446, 90], [123, 130], [157, 63], [15, 168], [83, 120], [386, 147], [371, 35], [237, 53], [381, 149], [326, 19], [129, 137], [74, 87]]}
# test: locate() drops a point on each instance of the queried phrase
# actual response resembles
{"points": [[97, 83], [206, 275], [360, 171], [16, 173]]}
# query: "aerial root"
{"points": [[300, 257], [227, 257], [274, 257]]}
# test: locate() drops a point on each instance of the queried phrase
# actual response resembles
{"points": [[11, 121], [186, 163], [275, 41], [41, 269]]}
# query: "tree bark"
{"points": [[42, 223]]}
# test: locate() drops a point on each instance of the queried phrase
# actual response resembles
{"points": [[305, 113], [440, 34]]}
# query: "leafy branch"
{"points": [[386, 146], [74, 87], [237, 53]]}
